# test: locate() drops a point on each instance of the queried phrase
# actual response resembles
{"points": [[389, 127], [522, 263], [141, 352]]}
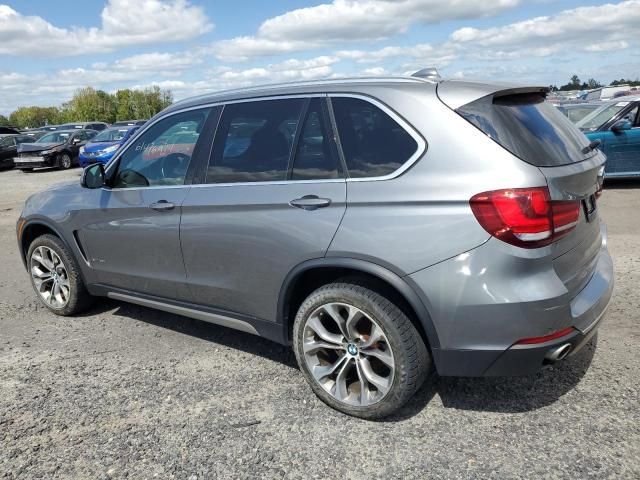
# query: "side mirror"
{"points": [[621, 125], [93, 176], [76, 141]]}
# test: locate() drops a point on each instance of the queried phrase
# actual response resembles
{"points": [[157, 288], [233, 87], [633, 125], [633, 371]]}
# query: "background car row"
{"points": [[63, 146]]}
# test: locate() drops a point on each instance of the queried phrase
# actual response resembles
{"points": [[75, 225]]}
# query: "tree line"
{"points": [[88, 104], [576, 84]]}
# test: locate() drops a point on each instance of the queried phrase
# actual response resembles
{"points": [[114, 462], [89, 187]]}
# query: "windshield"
{"points": [[56, 137], [111, 135], [599, 117], [528, 127]]}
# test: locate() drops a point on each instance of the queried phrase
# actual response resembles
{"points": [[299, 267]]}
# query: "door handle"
{"points": [[162, 206], [310, 202]]}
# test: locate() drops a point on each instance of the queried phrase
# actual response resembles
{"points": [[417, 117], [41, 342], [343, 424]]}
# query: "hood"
{"points": [[47, 202], [36, 147], [96, 146]]}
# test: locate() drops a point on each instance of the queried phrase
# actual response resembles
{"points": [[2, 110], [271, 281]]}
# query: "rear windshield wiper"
{"points": [[591, 147]]}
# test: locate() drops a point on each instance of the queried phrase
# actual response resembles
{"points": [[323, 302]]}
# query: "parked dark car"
{"points": [[8, 131], [9, 148], [616, 125], [129, 123], [55, 149], [97, 126]]}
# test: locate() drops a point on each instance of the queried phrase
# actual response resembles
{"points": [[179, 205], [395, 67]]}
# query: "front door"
{"points": [[274, 197], [623, 147], [131, 232]]}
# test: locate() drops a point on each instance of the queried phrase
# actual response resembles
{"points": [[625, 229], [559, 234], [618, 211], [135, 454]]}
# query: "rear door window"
{"points": [[373, 143], [529, 127], [316, 158], [254, 141]]}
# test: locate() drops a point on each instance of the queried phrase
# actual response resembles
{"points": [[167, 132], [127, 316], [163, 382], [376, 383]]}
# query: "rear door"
{"points": [[273, 196]]}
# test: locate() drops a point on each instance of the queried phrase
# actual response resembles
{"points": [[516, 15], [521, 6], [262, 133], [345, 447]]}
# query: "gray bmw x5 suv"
{"points": [[383, 227]]}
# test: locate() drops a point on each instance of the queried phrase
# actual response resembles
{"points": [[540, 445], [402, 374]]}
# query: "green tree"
{"points": [[4, 121], [34, 116]]}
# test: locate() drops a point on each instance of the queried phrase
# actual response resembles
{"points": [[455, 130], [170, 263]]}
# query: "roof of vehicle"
{"points": [[68, 130], [459, 92], [292, 88], [81, 123]]}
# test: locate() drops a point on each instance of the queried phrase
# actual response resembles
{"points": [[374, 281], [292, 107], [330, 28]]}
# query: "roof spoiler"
{"points": [[456, 93]]}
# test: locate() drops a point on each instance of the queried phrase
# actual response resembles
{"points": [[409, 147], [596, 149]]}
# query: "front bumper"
{"points": [[34, 161], [86, 160]]}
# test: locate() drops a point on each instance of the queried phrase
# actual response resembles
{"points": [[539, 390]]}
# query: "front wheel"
{"points": [[65, 161], [55, 276], [359, 352]]}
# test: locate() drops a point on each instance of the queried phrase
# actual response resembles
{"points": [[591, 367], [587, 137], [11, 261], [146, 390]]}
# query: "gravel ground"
{"points": [[128, 392]]}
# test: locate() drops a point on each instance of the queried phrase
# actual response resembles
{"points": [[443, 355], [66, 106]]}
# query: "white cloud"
{"points": [[124, 23], [350, 21], [613, 25]]}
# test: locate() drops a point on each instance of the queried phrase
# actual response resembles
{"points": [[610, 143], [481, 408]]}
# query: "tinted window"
{"points": [[528, 127], [600, 116], [162, 154], [7, 142], [254, 141], [56, 137], [315, 158], [111, 135], [373, 143]]}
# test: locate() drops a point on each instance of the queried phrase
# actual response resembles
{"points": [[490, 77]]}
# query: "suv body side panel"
{"points": [[423, 216]]}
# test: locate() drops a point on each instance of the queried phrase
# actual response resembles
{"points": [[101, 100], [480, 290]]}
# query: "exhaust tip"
{"points": [[557, 353]]}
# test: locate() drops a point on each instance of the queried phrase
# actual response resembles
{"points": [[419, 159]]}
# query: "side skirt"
{"points": [[236, 321]]}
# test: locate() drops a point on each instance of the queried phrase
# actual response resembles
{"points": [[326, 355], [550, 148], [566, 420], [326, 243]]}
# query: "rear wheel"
{"points": [[65, 161], [358, 351], [55, 276], [27, 169]]}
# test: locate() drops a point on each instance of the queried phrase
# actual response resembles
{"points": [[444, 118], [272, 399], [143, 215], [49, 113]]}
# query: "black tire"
{"points": [[26, 169], [79, 299], [412, 359], [65, 161]]}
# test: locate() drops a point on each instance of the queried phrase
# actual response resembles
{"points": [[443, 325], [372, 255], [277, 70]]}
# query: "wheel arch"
{"points": [[311, 274], [33, 229]]}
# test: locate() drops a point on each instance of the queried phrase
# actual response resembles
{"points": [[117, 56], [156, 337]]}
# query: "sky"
{"points": [[49, 49]]}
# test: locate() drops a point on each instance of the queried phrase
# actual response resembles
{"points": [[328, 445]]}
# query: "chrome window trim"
{"points": [[421, 142], [420, 150]]}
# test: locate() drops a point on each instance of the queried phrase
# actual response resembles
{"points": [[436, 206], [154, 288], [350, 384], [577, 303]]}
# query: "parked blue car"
{"points": [[616, 125], [104, 145]]}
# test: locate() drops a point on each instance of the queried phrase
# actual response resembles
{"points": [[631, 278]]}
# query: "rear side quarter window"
{"points": [[373, 143]]}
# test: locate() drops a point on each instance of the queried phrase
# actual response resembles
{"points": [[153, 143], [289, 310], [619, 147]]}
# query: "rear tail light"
{"points": [[525, 217]]}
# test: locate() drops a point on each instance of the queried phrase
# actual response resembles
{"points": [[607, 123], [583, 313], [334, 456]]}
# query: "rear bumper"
{"points": [[479, 322], [528, 359]]}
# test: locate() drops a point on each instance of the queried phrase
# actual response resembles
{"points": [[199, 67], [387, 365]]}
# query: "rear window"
{"points": [[528, 127]]}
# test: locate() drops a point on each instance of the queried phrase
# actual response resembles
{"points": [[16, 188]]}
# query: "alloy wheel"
{"points": [[65, 161], [50, 277], [348, 354]]}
